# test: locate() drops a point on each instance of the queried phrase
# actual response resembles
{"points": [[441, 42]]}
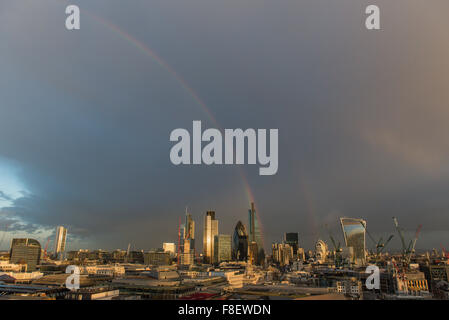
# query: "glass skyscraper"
{"points": [[255, 233], [189, 230], [354, 234], [240, 243], [210, 231], [292, 238], [60, 241]]}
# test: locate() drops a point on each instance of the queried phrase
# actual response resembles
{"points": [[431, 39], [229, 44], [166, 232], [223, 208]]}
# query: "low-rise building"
{"points": [[6, 266], [350, 287], [20, 277], [103, 293], [156, 258], [103, 270]]}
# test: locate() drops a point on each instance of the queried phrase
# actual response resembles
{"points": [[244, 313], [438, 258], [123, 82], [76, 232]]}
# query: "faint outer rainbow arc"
{"points": [[149, 52]]}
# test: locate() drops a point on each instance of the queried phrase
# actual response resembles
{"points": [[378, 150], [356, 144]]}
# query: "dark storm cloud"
{"points": [[362, 116]]}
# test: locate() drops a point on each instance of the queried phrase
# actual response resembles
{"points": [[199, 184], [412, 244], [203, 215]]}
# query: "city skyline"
{"points": [[349, 227], [87, 115]]}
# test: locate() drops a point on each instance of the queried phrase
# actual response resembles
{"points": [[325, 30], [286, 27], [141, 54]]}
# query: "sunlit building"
{"points": [[411, 283], [253, 253], [187, 245], [321, 251], [255, 234], [282, 253], [210, 231], [187, 255], [354, 234], [169, 247], [189, 230], [60, 241]]}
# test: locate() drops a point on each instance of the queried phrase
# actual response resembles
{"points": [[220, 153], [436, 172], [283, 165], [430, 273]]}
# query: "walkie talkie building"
{"points": [[354, 234]]}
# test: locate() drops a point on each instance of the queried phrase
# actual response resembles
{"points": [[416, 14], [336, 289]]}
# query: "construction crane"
{"points": [[127, 253], [444, 253], [407, 251], [46, 247], [400, 272], [337, 247], [401, 235], [386, 242], [380, 246], [411, 246]]}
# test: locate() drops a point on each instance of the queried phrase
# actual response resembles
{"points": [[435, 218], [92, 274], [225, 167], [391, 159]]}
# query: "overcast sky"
{"points": [[86, 117]]}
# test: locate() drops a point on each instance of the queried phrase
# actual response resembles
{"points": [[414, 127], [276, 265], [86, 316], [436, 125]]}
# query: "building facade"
{"points": [[255, 234], [210, 231], [222, 248], [169, 247], [292, 238], [321, 251], [25, 251], [282, 253], [240, 243], [60, 241], [156, 258], [354, 231]]}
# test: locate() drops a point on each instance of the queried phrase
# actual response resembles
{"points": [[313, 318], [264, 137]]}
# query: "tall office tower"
{"points": [[187, 256], [240, 243], [182, 231], [187, 241], [292, 238], [187, 244], [255, 234], [253, 253], [222, 248], [25, 251], [354, 234], [210, 231], [61, 235], [189, 230]]}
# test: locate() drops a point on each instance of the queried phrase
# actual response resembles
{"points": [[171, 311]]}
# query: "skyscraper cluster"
{"points": [[239, 246]]}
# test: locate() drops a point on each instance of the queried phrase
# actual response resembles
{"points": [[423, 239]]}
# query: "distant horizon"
{"points": [[87, 114]]}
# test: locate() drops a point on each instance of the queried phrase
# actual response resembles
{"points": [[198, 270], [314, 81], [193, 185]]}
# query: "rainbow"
{"points": [[151, 54]]}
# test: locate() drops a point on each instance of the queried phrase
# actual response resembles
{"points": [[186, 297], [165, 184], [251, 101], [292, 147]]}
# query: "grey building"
{"points": [[222, 248], [25, 251]]}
